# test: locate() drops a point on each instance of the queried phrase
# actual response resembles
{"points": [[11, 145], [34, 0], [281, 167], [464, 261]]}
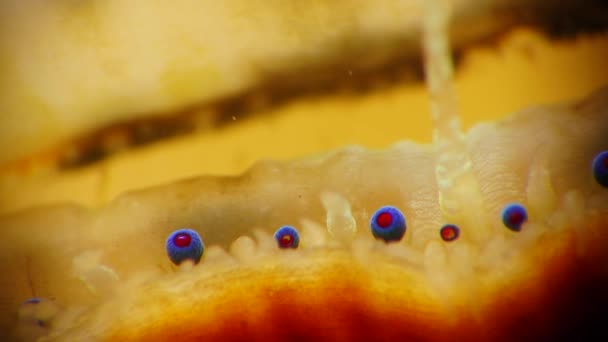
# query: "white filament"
{"points": [[456, 183]]}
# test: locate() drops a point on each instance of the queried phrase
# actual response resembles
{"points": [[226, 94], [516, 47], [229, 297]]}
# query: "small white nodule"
{"points": [[98, 278], [341, 224]]}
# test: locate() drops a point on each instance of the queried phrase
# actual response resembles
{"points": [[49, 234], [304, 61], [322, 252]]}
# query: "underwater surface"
{"points": [[321, 172]]}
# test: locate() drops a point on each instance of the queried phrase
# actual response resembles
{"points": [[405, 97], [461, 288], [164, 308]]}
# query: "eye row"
{"points": [[388, 224]]}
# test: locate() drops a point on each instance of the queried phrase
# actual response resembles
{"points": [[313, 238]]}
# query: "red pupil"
{"points": [[384, 219], [516, 217], [606, 162], [448, 233], [286, 240], [182, 240]]}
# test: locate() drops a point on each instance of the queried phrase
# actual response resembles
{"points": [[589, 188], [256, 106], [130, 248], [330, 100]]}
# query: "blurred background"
{"points": [[102, 97]]}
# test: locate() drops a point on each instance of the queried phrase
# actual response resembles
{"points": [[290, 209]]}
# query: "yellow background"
{"points": [[492, 82]]}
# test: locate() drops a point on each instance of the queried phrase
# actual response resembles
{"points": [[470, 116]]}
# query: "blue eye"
{"points": [[514, 216], [449, 232], [287, 237], [184, 244], [37, 311], [33, 300], [600, 168], [388, 224]]}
